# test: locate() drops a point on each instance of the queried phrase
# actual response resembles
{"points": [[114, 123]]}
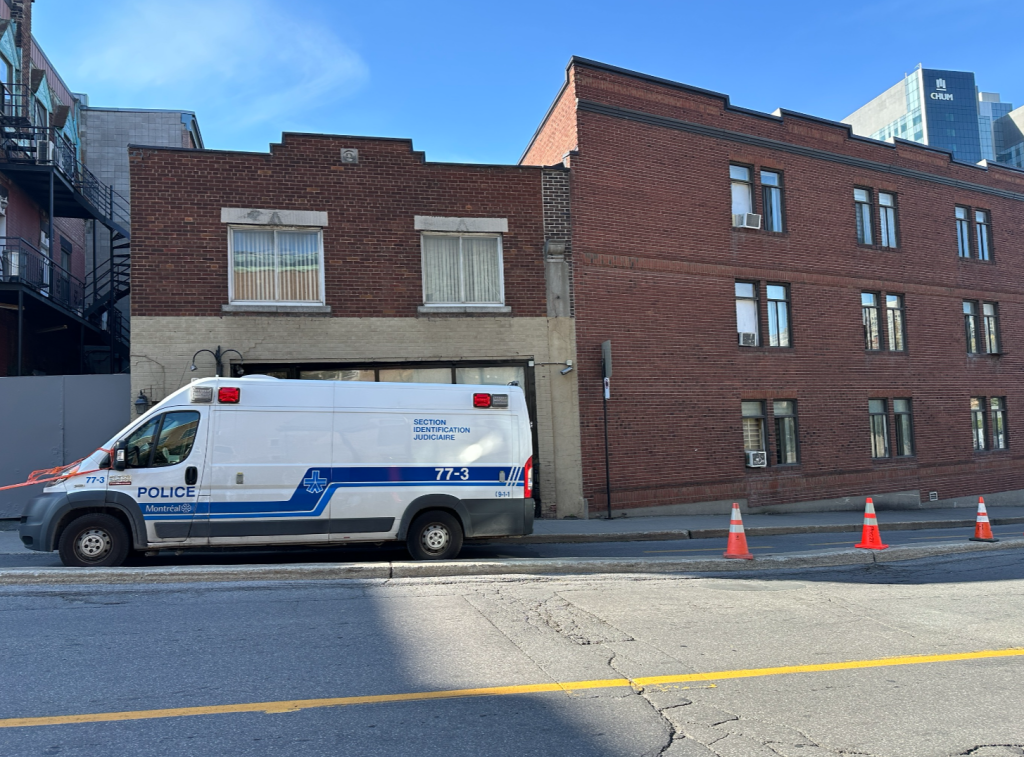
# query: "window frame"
{"points": [[897, 415], [766, 189], [901, 311], [983, 235], [990, 327], [40, 113], [963, 232], [757, 312], [979, 435], [763, 419], [888, 219], [971, 326], [1001, 423], [884, 415], [789, 316], [777, 419], [232, 228], [862, 210], [462, 285], [750, 190], [878, 322]]}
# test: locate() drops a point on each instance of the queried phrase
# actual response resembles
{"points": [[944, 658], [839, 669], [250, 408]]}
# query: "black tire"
{"points": [[434, 535], [94, 540]]}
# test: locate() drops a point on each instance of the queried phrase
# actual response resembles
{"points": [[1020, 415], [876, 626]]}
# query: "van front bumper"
{"points": [[34, 528], [499, 517]]}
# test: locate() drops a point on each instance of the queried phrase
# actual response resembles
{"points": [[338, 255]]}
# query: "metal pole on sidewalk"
{"points": [[21, 324], [607, 466], [606, 374]]}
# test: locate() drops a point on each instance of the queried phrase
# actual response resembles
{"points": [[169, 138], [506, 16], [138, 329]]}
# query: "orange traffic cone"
{"points": [[870, 537], [982, 529], [737, 546]]}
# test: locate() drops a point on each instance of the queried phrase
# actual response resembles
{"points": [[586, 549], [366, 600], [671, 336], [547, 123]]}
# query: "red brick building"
{"points": [[833, 338], [351, 258]]}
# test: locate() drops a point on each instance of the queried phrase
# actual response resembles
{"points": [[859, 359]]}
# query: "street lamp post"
{"points": [[218, 356]]}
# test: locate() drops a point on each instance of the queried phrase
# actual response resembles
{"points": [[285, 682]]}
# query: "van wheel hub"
{"points": [[93, 544], [435, 538]]}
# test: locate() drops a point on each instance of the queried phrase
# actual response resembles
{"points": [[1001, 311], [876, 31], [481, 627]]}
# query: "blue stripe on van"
{"points": [[306, 501]]}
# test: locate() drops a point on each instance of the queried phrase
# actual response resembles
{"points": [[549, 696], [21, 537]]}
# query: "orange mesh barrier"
{"points": [[49, 475]]}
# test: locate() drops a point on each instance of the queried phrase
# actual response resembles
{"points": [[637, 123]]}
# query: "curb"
{"points": [[722, 533], [455, 568]]}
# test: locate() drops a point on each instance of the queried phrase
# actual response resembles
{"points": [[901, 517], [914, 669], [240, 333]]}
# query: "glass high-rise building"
{"points": [[1009, 138], [939, 108], [990, 110]]}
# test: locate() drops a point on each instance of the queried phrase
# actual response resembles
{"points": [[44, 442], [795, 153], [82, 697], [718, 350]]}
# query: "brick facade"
{"points": [[373, 273], [655, 262], [372, 265]]}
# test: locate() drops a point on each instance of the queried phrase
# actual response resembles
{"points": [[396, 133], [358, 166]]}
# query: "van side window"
{"points": [[177, 434], [140, 444], [174, 440]]}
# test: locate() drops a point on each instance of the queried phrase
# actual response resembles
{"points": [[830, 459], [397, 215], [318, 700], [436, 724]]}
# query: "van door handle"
{"points": [[191, 475]]}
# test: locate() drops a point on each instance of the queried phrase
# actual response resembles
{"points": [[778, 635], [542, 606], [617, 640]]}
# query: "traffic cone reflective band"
{"points": [[870, 537], [983, 529], [737, 546]]}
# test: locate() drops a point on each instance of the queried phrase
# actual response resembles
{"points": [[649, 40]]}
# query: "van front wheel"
{"points": [[434, 535], [96, 539]]}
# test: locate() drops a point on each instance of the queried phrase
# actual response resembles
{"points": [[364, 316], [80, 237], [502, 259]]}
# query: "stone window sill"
{"points": [[278, 309], [464, 310]]}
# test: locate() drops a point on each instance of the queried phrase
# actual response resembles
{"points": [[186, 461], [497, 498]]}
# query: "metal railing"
{"points": [[23, 142], [13, 102], [21, 262], [108, 284]]}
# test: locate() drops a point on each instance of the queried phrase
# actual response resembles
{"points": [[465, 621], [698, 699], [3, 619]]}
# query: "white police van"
{"points": [[264, 461]]}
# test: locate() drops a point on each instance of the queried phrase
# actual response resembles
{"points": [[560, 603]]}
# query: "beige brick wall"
{"points": [[162, 350]]}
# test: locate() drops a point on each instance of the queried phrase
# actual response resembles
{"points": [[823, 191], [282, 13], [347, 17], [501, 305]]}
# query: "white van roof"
{"points": [[267, 391]]}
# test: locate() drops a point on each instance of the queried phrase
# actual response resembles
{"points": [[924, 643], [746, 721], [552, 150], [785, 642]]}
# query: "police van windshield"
{"points": [[161, 441]]}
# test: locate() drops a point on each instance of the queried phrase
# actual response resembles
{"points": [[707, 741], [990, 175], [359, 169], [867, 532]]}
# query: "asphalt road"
{"points": [[575, 658], [12, 555]]}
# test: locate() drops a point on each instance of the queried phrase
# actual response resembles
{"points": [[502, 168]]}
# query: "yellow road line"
{"points": [[294, 705]]}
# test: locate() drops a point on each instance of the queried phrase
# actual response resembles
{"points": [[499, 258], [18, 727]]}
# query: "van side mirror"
{"points": [[119, 455]]}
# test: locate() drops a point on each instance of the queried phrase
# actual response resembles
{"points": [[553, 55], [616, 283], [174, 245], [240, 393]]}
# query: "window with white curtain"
{"points": [[462, 270], [276, 265]]}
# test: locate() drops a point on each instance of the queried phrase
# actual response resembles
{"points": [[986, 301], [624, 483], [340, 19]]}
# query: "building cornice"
{"points": [[714, 132]]}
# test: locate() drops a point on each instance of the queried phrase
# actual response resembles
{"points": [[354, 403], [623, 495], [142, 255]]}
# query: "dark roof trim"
{"points": [[778, 116], [714, 132], [166, 148], [674, 85]]}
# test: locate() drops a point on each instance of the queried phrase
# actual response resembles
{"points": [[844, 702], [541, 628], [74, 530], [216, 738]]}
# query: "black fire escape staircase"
{"points": [[46, 166]]}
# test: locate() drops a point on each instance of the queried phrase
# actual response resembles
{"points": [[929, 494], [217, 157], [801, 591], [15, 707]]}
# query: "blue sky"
{"points": [[470, 82]]}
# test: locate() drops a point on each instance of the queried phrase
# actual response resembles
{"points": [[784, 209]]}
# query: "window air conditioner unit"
{"points": [[44, 151], [748, 339], [758, 459], [746, 220]]}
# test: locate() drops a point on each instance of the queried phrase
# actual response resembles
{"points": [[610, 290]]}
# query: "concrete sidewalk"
{"points": [[666, 527]]}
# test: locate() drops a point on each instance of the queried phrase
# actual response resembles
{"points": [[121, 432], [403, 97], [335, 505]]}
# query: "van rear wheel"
{"points": [[95, 539], [434, 535]]}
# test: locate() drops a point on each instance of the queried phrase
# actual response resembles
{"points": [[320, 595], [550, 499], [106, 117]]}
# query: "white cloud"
{"points": [[243, 62]]}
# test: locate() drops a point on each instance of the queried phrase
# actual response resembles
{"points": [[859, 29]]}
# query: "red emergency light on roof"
{"points": [[229, 395], [481, 400]]}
